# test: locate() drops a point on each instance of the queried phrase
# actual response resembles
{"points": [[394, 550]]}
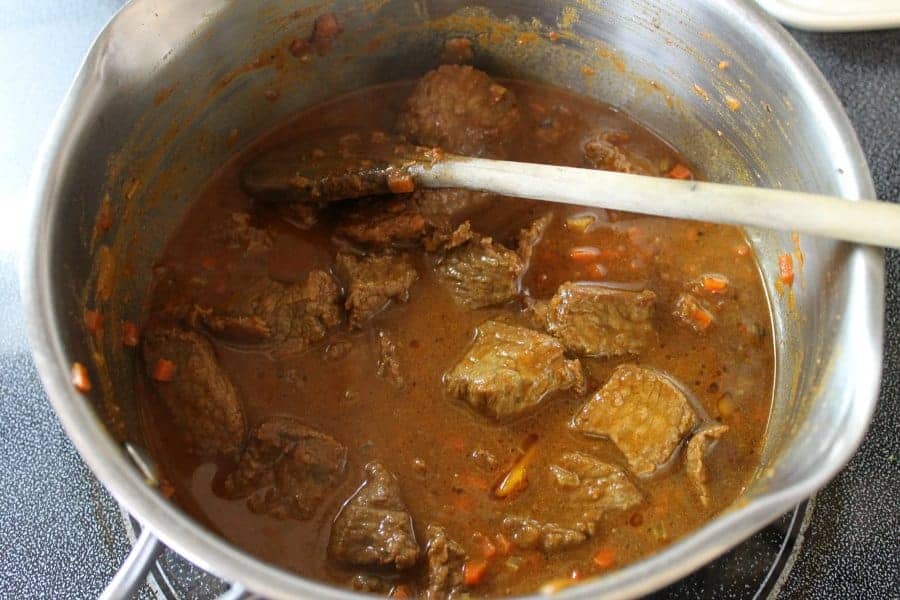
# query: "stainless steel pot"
{"points": [[169, 90]]}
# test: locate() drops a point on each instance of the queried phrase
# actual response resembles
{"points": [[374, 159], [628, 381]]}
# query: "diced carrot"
{"points": [[786, 267], [80, 378], [130, 334], [714, 284], [401, 592], [702, 317], [474, 572], [605, 558], [488, 549], [93, 320], [164, 370], [584, 254], [503, 544], [680, 171], [400, 182]]}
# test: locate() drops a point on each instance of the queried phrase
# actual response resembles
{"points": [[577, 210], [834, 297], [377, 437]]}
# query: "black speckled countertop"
{"points": [[62, 536]]}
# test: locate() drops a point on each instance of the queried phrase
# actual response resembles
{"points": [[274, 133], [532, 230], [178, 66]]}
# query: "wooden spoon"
{"points": [[382, 165]]}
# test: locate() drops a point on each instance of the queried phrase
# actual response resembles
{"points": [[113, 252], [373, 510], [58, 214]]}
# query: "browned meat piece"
{"points": [[604, 153], [690, 311], [697, 448], [383, 223], [597, 320], [239, 232], [462, 110], [644, 412], [593, 487], [373, 281], [196, 390], [374, 528], [442, 240], [267, 310], [448, 207], [508, 370], [287, 469], [529, 533], [531, 236], [388, 366], [426, 215], [481, 273], [445, 565]]}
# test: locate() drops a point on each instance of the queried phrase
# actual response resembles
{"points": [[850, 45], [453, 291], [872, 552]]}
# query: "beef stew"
{"points": [[444, 392]]}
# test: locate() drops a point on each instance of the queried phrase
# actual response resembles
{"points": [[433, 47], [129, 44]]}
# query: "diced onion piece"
{"points": [[80, 378], [585, 254]]}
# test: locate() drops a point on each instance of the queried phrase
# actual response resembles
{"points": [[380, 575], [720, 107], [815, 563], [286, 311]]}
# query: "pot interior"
{"points": [[168, 100]]}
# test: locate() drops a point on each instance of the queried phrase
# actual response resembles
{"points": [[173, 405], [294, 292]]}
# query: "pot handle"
{"points": [[133, 572]]}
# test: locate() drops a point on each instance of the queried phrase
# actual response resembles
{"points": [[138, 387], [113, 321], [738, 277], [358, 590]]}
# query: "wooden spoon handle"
{"points": [[863, 221]]}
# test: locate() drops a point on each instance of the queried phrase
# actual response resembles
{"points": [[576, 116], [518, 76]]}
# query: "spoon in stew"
{"points": [[350, 167]]}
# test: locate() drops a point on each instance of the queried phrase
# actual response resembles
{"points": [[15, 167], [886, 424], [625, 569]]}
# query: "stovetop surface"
{"points": [[63, 536]]}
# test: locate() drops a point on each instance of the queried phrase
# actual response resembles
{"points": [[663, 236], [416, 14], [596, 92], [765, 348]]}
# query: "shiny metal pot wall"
{"points": [[169, 90]]}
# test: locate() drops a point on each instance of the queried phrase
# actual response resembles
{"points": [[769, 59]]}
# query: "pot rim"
{"points": [[109, 462]]}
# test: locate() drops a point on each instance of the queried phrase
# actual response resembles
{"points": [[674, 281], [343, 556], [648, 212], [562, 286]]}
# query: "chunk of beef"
{"points": [[462, 110], [443, 241], [445, 565], [383, 223], [603, 152], [596, 320], [530, 533], [287, 469], [697, 448], [270, 311], [388, 366], [373, 281], [446, 208], [645, 413], [593, 487], [408, 221], [204, 404], [531, 236], [374, 528], [508, 370], [481, 273]]}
